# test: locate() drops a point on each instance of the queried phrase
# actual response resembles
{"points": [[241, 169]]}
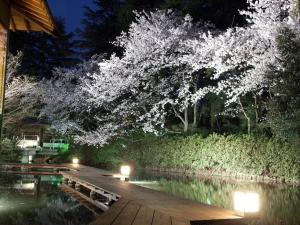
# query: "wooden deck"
{"points": [[128, 212], [33, 166], [143, 206], [32, 169], [80, 198]]}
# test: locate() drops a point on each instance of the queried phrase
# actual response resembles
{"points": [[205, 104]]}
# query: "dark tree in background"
{"points": [[284, 104], [47, 51], [102, 24]]}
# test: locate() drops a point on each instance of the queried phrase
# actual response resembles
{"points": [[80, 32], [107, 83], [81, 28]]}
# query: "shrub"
{"points": [[233, 153]]}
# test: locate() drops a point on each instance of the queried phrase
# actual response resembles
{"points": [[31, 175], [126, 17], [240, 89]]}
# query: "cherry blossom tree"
{"points": [[65, 106], [162, 71], [140, 89], [241, 56], [20, 99], [13, 65], [152, 49]]}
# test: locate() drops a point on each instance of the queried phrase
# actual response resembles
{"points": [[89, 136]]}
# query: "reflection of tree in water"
{"points": [[45, 206], [279, 203], [58, 211], [7, 180]]}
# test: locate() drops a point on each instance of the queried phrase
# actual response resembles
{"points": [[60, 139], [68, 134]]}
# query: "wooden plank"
{"points": [[48, 166], [36, 8], [85, 198], [144, 216], [109, 216], [4, 14], [222, 222], [32, 19], [177, 221], [32, 173], [79, 198], [35, 14], [3, 54], [164, 203], [161, 219], [140, 204], [128, 215]]}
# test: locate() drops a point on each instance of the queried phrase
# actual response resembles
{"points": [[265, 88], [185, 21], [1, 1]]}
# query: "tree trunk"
{"points": [[246, 116], [256, 109], [186, 119], [195, 121]]}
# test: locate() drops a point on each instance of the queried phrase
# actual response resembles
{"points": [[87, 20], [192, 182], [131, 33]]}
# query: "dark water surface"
{"points": [[37, 200], [278, 204]]}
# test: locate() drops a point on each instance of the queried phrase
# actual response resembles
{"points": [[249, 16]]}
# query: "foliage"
{"points": [[47, 51], [108, 157], [168, 66], [232, 153], [241, 56], [64, 104], [20, 98], [284, 105], [13, 66], [109, 18], [139, 89], [9, 151]]}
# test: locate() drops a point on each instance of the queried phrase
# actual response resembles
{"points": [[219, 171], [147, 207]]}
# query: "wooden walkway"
{"points": [[128, 212], [143, 206], [80, 198], [32, 166]]}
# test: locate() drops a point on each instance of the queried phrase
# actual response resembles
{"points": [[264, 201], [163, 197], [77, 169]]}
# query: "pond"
{"points": [[37, 200], [277, 204]]}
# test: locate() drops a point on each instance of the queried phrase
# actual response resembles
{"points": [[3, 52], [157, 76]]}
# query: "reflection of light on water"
{"points": [[247, 202], [208, 201], [25, 186], [143, 182], [147, 184]]}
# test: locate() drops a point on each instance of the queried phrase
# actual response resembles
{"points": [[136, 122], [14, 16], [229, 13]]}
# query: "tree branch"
{"points": [[246, 116], [178, 115]]}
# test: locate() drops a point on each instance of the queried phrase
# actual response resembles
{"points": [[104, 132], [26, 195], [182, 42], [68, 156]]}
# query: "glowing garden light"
{"points": [[75, 161], [246, 202], [125, 170]]}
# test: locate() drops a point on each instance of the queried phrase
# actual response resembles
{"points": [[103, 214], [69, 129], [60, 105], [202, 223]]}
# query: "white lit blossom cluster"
{"points": [[158, 74]]}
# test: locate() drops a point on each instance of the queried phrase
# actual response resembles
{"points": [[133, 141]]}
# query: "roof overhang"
{"points": [[28, 15]]}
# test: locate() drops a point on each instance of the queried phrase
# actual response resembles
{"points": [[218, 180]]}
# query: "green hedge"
{"points": [[251, 155], [233, 153]]}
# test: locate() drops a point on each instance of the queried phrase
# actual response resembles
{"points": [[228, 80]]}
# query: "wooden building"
{"points": [[20, 15]]}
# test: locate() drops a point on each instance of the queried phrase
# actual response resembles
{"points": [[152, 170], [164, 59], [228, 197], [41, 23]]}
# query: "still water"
{"points": [[37, 200], [276, 204]]}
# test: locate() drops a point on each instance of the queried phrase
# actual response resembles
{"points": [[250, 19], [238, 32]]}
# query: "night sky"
{"points": [[71, 10]]}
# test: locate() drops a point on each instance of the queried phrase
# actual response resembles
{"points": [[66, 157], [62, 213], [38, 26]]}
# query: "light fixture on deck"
{"points": [[246, 202], [75, 161], [125, 172]]}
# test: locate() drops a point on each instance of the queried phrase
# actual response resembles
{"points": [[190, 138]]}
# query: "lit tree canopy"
{"points": [[163, 72]]}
